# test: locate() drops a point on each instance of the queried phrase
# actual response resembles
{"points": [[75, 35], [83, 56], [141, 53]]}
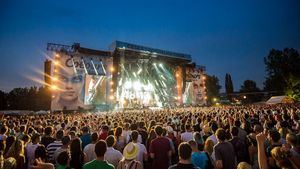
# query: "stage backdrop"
{"points": [[194, 90], [78, 81]]}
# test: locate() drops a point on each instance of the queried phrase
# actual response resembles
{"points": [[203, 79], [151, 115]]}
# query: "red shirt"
{"points": [[160, 148], [103, 135]]}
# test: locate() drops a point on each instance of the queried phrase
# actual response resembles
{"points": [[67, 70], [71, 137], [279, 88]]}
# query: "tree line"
{"points": [[282, 77], [32, 98]]}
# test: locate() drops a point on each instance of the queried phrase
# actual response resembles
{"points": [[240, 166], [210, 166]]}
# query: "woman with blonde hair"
{"points": [[209, 147], [17, 152], [244, 165], [284, 160]]}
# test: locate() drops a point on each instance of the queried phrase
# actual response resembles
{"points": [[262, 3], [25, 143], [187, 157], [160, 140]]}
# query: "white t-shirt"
{"points": [[126, 134], [213, 138], [89, 150], [142, 151], [30, 152], [187, 136], [129, 135], [113, 156]]}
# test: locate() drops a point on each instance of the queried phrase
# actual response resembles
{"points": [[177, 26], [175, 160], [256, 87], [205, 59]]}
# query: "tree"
{"points": [[293, 89], [17, 99], [249, 87], [228, 86], [3, 100], [212, 88], [43, 99], [32, 98], [283, 72]]}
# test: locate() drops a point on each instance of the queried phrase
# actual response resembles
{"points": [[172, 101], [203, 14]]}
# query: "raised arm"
{"points": [[262, 157]]}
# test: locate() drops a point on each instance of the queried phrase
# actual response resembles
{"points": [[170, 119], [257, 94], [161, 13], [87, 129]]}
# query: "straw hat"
{"points": [[130, 151]]}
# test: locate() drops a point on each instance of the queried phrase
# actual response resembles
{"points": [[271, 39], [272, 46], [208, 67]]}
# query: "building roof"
{"points": [[279, 99]]}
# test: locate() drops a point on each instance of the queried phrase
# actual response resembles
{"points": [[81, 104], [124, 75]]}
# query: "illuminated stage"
{"points": [[126, 76]]}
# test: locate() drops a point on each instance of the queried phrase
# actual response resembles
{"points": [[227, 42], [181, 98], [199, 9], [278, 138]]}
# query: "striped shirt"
{"points": [[51, 148]]}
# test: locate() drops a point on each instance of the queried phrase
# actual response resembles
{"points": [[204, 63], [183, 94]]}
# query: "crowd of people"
{"points": [[224, 137]]}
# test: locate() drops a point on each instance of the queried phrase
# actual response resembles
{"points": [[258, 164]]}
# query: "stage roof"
{"points": [[125, 45]]}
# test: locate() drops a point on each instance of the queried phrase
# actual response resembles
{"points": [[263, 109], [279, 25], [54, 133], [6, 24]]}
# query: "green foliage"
{"points": [[32, 98], [249, 87], [293, 87], [212, 88], [283, 72], [228, 86], [3, 100]]}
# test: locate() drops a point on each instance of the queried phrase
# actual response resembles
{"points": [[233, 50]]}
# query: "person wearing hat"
{"points": [[142, 154], [130, 153]]}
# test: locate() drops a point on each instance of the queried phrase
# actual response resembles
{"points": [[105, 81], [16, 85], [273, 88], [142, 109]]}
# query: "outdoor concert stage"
{"points": [[125, 76]]}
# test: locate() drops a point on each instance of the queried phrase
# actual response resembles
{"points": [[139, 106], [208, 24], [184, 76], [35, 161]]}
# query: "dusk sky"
{"points": [[225, 36]]}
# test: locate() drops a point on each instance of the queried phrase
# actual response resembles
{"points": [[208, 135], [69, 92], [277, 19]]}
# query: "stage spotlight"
{"points": [[137, 85], [161, 65], [139, 72], [53, 87], [123, 101], [55, 70], [128, 85], [154, 64], [56, 62], [54, 78], [112, 69], [245, 97]]}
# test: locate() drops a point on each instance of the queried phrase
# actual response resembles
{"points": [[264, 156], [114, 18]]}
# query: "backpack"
{"points": [[132, 165]]}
